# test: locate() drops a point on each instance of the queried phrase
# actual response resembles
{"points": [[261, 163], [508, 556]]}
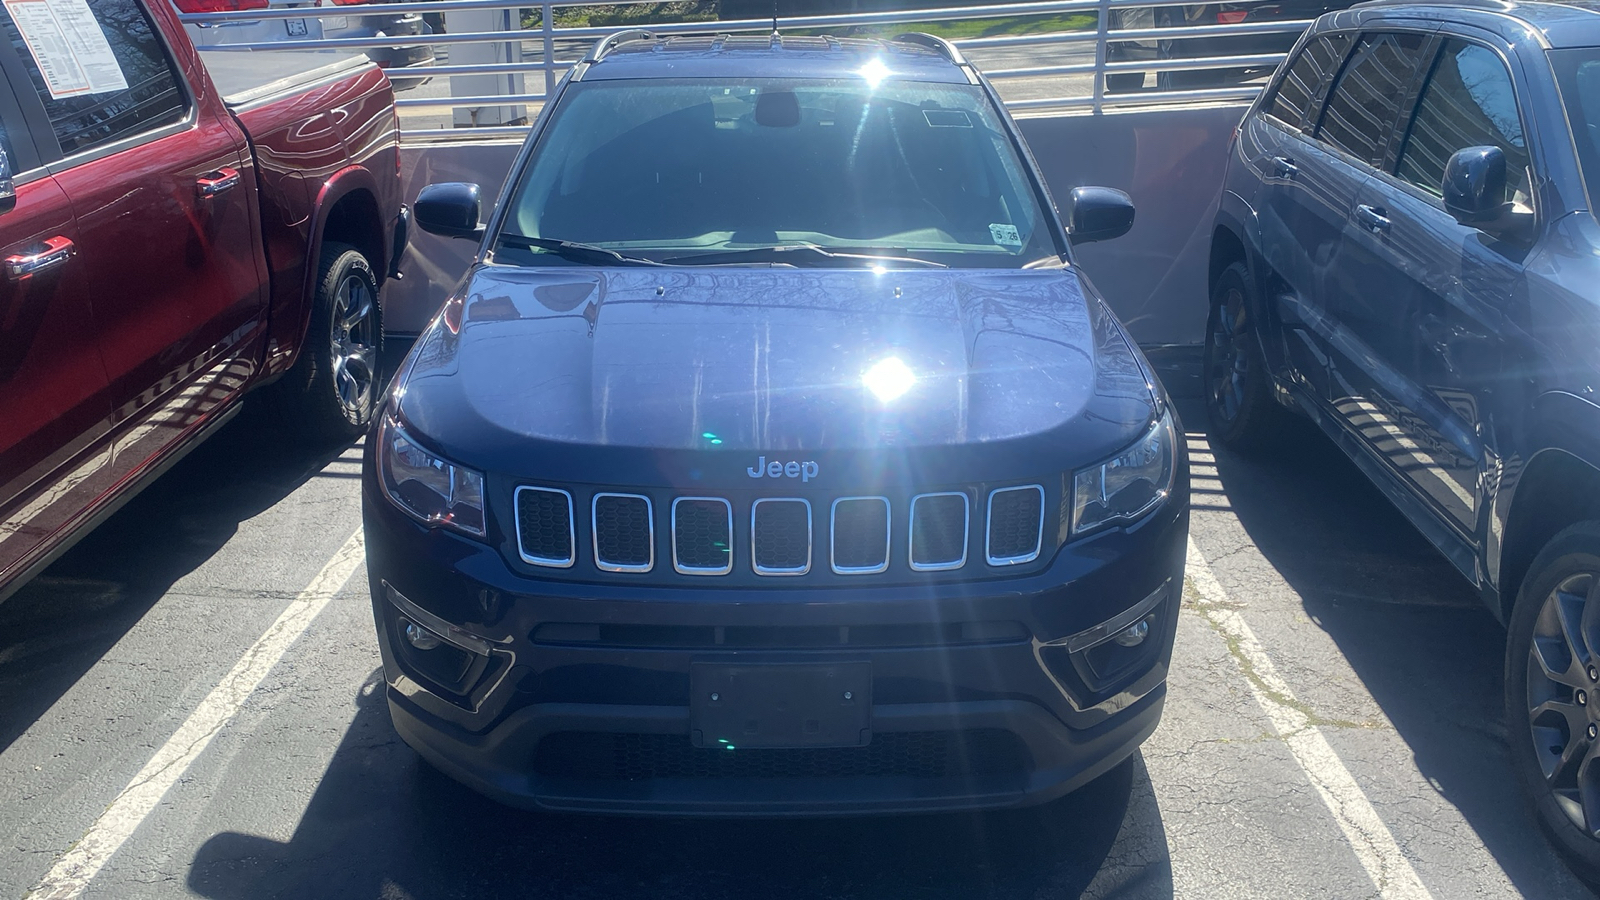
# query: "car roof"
{"points": [[642, 55], [1558, 25]]}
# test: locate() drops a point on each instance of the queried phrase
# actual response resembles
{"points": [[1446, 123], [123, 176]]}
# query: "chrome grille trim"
{"points": [[966, 533], [833, 531], [779, 570], [988, 531], [650, 533], [701, 570], [572, 537]]}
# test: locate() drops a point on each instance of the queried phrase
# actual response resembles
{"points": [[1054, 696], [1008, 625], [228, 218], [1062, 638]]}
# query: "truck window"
{"points": [[96, 91], [1303, 81], [1468, 102], [1365, 103]]}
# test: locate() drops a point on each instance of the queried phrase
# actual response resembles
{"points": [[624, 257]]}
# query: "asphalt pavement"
{"points": [[1333, 726]]}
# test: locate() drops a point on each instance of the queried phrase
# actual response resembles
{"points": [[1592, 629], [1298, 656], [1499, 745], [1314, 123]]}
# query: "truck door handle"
{"points": [[214, 183], [1372, 218], [46, 255], [1284, 167]]}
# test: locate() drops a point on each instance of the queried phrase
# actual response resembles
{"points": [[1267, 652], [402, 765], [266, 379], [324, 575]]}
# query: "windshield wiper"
{"points": [[800, 255], [577, 252]]}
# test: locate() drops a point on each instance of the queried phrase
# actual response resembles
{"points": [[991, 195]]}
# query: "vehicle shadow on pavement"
{"points": [[61, 623], [1424, 646], [383, 824]]}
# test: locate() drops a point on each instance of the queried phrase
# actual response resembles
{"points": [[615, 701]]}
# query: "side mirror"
{"points": [[1098, 214], [1474, 185], [8, 190], [449, 209]]}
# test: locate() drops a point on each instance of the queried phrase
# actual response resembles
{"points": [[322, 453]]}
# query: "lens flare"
{"points": [[874, 72], [888, 379]]}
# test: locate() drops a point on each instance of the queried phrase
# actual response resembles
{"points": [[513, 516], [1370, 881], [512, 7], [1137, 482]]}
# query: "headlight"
{"points": [[433, 490], [1128, 485]]}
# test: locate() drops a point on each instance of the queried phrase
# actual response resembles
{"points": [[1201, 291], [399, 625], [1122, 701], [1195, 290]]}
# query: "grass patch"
{"points": [[623, 15]]}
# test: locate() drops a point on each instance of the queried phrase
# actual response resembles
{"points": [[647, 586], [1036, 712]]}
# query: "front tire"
{"points": [[1553, 694], [334, 386], [1239, 402]]}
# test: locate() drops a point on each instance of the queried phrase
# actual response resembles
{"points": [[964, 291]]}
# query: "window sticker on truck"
{"points": [[67, 43]]}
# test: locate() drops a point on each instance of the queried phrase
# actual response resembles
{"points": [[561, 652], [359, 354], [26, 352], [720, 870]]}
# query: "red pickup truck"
{"points": [[173, 233]]}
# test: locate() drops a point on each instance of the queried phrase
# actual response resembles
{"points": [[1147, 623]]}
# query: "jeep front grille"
{"points": [[859, 541], [702, 536], [544, 526], [780, 536], [938, 531], [624, 533], [1016, 524]]}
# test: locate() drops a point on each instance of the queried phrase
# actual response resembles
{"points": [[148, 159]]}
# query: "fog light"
{"points": [[423, 639], [1134, 635]]}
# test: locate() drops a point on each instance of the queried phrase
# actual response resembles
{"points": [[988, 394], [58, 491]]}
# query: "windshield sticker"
{"points": [[1005, 235], [947, 118], [68, 44]]}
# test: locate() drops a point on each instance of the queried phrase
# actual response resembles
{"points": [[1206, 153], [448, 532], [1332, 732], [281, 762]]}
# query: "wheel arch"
{"points": [[1558, 486]]}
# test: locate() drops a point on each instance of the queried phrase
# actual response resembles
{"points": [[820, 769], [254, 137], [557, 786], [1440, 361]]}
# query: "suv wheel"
{"points": [[1239, 401], [334, 385], [1553, 693]]}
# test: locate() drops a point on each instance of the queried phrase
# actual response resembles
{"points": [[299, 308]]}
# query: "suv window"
{"points": [[1468, 102], [101, 80], [1304, 79], [1365, 103]]}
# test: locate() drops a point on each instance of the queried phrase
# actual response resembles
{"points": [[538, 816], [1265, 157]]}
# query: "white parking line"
{"points": [[79, 865], [1386, 865]]}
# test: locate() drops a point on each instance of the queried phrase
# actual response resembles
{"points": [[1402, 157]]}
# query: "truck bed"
{"points": [[245, 79]]}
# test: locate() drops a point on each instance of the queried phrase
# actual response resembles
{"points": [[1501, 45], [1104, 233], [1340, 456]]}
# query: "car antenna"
{"points": [[775, 37]]}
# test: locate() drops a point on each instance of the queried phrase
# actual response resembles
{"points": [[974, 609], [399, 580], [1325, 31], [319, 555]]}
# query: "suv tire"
{"points": [[1558, 610], [1239, 402], [334, 386]]}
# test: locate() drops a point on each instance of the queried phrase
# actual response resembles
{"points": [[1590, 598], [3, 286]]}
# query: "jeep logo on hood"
{"points": [[805, 471]]}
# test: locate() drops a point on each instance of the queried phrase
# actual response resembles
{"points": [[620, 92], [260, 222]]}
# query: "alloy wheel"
{"points": [[1563, 708], [355, 343], [1229, 364]]}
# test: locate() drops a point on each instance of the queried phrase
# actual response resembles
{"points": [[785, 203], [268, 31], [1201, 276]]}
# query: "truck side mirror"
{"points": [[1474, 185], [1098, 214], [449, 209], [8, 190]]}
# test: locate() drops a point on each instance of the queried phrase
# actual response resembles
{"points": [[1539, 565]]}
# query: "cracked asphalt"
{"points": [[1373, 642]]}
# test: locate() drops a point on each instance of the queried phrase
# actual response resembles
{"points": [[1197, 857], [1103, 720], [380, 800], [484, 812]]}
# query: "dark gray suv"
{"points": [[1406, 251]]}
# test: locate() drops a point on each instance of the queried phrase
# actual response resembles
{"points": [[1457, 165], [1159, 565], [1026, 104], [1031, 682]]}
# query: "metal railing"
{"points": [[1058, 84]]}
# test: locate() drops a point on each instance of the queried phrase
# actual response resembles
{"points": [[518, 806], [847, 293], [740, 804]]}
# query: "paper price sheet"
{"points": [[68, 44]]}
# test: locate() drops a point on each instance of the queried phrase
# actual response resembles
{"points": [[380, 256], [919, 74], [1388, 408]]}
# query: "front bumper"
{"points": [[576, 696]]}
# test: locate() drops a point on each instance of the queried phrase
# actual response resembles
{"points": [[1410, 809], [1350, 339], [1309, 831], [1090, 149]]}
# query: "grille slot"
{"points": [[624, 533], [1016, 525], [938, 531], [780, 536], [702, 536], [860, 536], [544, 527], [912, 754]]}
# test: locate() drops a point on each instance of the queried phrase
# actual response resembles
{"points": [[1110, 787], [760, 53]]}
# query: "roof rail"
{"points": [[937, 44], [608, 43]]}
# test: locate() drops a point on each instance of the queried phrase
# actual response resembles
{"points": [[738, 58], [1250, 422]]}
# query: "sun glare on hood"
{"points": [[889, 378]]}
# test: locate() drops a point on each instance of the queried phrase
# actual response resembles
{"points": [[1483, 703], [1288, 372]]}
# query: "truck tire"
{"points": [[335, 385], [1552, 671], [1239, 403]]}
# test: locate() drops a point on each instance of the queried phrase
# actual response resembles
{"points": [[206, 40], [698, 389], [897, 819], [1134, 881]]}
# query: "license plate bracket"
{"points": [[780, 705], [296, 27]]}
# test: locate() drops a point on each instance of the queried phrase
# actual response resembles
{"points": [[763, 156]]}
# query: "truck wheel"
{"points": [[335, 384], [1124, 82], [1239, 402], [1553, 693]]}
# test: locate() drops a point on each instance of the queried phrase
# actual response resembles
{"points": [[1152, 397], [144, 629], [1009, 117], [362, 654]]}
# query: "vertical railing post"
{"points": [[1100, 55], [548, 17]]}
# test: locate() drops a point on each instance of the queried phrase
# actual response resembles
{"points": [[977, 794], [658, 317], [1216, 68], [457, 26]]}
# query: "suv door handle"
{"points": [[1284, 167], [214, 183], [1374, 219], [48, 254]]}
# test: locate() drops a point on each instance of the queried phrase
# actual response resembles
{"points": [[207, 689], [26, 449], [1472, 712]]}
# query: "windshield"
{"points": [[1578, 73], [725, 169]]}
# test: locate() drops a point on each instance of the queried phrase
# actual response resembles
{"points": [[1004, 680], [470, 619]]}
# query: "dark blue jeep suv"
{"points": [[1406, 251], [774, 457]]}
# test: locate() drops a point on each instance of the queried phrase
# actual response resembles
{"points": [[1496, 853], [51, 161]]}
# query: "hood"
{"points": [[785, 363]]}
